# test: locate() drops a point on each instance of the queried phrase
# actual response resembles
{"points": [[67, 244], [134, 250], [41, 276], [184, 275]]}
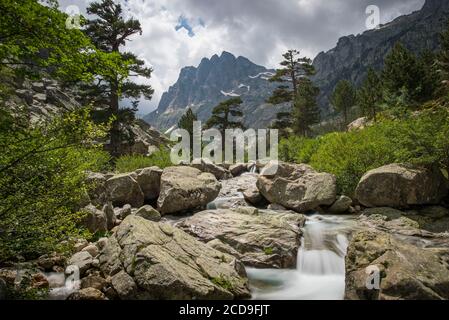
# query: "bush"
{"points": [[298, 149], [42, 181], [350, 155], [129, 163], [421, 139]]}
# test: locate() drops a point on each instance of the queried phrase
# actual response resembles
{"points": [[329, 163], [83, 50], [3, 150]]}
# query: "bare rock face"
{"points": [[87, 294], [149, 213], [149, 180], [185, 188], [262, 238], [151, 260], [95, 220], [341, 205], [123, 189], [406, 271], [297, 187], [358, 124], [407, 251], [353, 55], [206, 165], [399, 186]]}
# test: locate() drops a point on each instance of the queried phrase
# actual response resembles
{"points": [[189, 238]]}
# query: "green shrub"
{"points": [[298, 149], [421, 139], [350, 155], [42, 181], [129, 163]]}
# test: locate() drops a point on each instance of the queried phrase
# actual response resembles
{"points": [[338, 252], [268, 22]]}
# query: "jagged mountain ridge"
{"points": [[353, 55], [213, 81]]}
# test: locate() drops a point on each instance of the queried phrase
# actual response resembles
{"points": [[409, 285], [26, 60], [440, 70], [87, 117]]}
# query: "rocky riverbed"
{"points": [[181, 233]]}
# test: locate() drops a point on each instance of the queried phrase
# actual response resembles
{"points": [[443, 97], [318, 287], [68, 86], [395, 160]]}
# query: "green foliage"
{"points": [[226, 115], [403, 71], [110, 31], [350, 155], [443, 63], [344, 98], [298, 149], [187, 120], [268, 251], [421, 139], [369, 96], [129, 163], [305, 108], [222, 282], [42, 180], [291, 77]]}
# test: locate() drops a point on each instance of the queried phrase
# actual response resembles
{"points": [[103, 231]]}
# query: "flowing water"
{"points": [[320, 272]]}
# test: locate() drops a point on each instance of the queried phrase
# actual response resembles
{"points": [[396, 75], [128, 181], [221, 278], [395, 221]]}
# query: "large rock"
{"points": [[296, 187], [95, 220], [184, 188], [167, 263], [426, 222], [149, 213], [82, 260], [109, 213], [253, 196], [399, 186], [124, 285], [149, 180], [87, 294], [341, 205], [263, 239], [97, 190], [237, 169], [405, 270], [206, 165], [123, 189]]}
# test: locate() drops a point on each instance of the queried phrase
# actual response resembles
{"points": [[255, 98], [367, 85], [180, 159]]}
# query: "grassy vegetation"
{"points": [[421, 139], [222, 282], [129, 163]]}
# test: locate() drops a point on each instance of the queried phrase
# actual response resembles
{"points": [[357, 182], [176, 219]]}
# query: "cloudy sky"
{"points": [[179, 33]]}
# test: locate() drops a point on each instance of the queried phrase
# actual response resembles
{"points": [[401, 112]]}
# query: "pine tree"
{"points": [[430, 80], [110, 31], [443, 63], [344, 98], [187, 120], [405, 73], [224, 115], [305, 109], [294, 70], [283, 122], [369, 96]]}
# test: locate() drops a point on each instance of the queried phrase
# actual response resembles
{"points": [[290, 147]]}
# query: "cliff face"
{"points": [[213, 81], [219, 78], [353, 55]]}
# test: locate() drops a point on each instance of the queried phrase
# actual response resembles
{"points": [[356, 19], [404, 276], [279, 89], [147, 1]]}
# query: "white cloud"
{"points": [[260, 30]]}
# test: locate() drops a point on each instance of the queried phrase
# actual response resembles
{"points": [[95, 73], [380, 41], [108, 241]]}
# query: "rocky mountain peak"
{"points": [[434, 5], [353, 55], [214, 80]]}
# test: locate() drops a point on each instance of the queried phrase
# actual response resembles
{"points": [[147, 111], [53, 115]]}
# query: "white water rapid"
{"points": [[320, 273]]}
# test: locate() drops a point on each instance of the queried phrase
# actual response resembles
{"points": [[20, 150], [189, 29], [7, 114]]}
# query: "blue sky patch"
{"points": [[183, 23]]}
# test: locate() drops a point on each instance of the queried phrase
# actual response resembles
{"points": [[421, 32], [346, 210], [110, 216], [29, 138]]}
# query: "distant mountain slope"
{"points": [[353, 55], [213, 81], [221, 77]]}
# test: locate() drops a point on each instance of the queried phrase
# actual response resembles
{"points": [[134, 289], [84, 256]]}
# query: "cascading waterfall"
{"points": [[320, 272]]}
